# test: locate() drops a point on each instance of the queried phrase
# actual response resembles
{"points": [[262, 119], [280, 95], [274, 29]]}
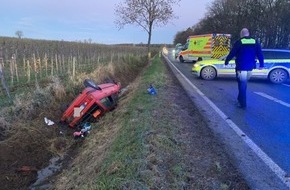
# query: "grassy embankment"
{"points": [[130, 162], [152, 142], [134, 147]]}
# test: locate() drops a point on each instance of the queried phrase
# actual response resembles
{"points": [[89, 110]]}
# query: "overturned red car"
{"points": [[93, 102]]}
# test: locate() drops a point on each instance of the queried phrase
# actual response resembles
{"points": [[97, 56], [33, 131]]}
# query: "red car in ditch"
{"points": [[93, 102]]}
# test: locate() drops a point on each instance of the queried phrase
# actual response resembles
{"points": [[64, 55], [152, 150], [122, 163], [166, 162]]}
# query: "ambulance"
{"points": [[206, 46]]}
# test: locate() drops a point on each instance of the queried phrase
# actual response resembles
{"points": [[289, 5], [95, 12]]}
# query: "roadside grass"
{"points": [[133, 147], [151, 142], [22, 121], [145, 132]]}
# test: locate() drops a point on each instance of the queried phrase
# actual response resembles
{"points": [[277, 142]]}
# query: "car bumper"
{"points": [[195, 73]]}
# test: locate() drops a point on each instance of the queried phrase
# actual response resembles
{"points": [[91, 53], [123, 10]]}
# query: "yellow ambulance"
{"points": [[206, 46]]}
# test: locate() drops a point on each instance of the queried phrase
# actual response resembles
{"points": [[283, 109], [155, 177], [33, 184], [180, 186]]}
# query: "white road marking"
{"points": [[259, 152], [273, 99]]}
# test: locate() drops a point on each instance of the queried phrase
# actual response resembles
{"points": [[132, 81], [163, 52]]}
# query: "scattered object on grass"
{"points": [[27, 169], [48, 122], [86, 127], [85, 130], [151, 90]]}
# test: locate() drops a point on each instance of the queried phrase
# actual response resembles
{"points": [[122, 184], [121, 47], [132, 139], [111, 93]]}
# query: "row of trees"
{"points": [[267, 20]]}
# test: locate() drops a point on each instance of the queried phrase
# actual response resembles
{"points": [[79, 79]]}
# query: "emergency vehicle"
{"points": [[93, 102], [276, 67], [205, 46]]}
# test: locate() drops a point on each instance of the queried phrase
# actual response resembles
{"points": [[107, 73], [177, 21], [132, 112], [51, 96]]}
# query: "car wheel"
{"points": [[278, 76], [91, 83], [208, 73], [181, 59]]}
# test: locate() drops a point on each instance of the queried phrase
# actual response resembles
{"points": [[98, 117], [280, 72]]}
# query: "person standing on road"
{"points": [[246, 49]]}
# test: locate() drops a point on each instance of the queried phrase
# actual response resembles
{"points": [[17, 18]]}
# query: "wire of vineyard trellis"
{"points": [[26, 61]]}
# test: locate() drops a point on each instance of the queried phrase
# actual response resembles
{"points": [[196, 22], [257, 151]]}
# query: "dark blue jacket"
{"points": [[246, 50]]}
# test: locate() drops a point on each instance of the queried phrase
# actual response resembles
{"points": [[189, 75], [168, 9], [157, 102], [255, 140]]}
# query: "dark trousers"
{"points": [[242, 78]]}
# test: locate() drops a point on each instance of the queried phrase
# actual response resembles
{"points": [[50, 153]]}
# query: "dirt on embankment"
{"points": [[208, 166]]}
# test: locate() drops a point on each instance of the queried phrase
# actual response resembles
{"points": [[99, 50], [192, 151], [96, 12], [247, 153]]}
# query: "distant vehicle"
{"points": [[276, 67], [93, 102], [205, 46], [178, 48]]}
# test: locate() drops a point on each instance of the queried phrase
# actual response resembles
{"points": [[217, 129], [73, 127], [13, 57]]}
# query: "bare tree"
{"points": [[19, 34], [146, 14]]}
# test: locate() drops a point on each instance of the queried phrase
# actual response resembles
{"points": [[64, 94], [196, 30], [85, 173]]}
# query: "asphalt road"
{"points": [[264, 126]]}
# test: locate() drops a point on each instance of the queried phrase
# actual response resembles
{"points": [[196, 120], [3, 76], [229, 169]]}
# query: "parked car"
{"points": [[276, 67], [177, 50]]}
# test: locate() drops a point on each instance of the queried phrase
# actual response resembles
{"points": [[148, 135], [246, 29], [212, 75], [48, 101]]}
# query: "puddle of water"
{"points": [[54, 166]]}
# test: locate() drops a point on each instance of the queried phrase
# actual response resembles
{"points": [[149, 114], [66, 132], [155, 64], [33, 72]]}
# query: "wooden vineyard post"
{"points": [[39, 67], [28, 71], [15, 67], [24, 63], [56, 64], [2, 74], [51, 73], [60, 64], [12, 71], [45, 62], [112, 57], [68, 71], [35, 67], [63, 64], [74, 67]]}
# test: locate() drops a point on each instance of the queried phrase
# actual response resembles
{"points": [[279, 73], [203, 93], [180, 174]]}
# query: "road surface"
{"points": [[264, 127]]}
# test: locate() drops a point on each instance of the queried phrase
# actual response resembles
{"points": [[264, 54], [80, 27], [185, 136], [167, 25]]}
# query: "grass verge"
{"points": [[22, 122], [152, 142], [129, 150]]}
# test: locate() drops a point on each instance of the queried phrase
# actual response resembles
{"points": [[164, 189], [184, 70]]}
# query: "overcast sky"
{"points": [[74, 20]]}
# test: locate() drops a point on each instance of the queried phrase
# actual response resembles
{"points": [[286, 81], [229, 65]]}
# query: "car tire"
{"points": [[278, 76], [91, 83], [208, 73], [181, 59]]}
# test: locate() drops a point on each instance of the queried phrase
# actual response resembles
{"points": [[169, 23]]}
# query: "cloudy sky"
{"points": [[74, 20]]}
